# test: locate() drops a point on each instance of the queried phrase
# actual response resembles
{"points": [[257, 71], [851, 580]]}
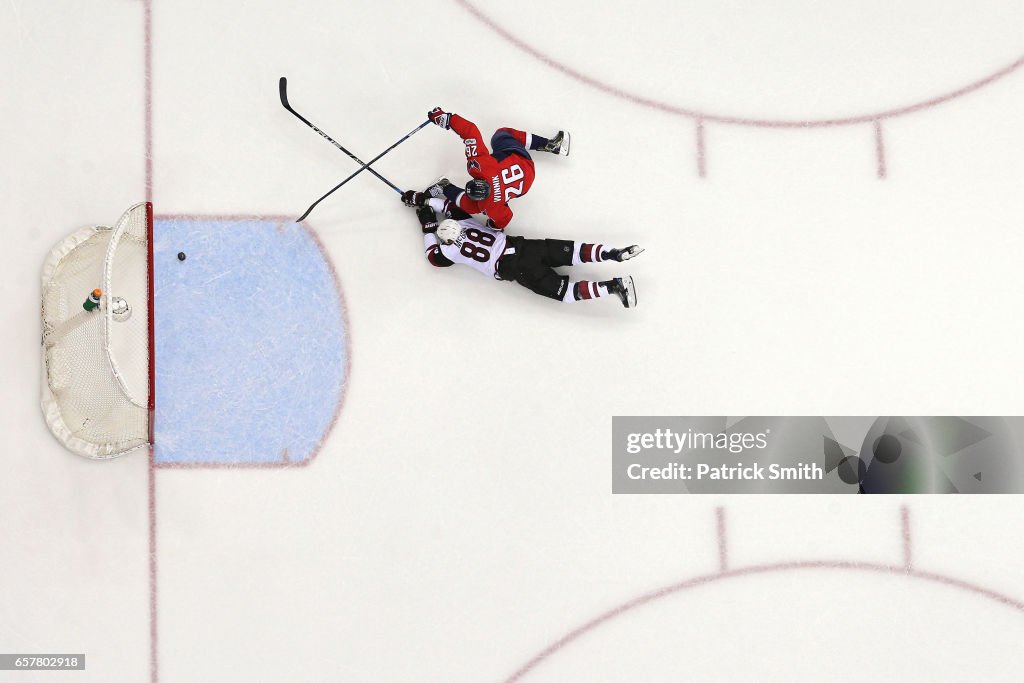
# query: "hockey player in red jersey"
{"points": [[451, 236], [498, 175]]}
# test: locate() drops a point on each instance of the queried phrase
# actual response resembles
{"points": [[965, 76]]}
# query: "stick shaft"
{"points": [[283, 89], [364, 167]]}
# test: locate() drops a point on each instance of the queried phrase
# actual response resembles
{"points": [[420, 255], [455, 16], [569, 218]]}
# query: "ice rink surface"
{"points": [[830, 198]]}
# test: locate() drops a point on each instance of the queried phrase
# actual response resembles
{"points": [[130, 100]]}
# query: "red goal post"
{"points": [[98, 367]]}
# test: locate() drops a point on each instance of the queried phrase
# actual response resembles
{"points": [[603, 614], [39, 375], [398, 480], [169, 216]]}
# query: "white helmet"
{"points": [[448, 231]]}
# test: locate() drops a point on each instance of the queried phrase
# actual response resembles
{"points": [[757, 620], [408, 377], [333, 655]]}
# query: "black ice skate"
{"points": [[621, 255], [436, 189], [559, 144], [623, 288]]}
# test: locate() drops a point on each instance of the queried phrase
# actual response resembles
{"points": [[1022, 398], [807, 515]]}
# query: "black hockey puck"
{"points": [[181, 256]]}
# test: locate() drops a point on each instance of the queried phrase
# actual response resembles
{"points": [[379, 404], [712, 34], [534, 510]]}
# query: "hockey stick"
{"points": [[283, 87], [363, 168]]}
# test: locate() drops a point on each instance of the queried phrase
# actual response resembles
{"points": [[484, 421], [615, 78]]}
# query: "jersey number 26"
{"points": [[510, 175]]}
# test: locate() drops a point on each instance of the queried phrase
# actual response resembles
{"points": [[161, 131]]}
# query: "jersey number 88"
{"points": [[470, 250]]}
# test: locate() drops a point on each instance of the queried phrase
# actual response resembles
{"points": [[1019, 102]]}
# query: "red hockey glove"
{"points": [[439, 117]]}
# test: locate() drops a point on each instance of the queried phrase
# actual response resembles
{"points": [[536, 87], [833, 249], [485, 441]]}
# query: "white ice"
{"points": [[459, 519]]}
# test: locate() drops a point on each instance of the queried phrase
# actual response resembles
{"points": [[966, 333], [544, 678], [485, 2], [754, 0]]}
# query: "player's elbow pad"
{"points": [[437, 259], [500, 222]]}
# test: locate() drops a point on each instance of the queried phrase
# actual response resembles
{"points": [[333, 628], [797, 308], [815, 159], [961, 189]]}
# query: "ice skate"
{"points": [[623, 288], [436, 189], [559, 144], [621, 255]]}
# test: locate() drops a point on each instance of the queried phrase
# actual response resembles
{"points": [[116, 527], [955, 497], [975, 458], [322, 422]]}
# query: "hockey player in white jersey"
{"points": [[451, 236]]}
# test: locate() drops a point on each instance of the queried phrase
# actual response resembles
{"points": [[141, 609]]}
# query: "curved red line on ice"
{"points": [[736, 120], [698, 581]]}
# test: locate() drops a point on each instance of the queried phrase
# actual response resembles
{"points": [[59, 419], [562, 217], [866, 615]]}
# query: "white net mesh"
{"points": [[96, 365]]}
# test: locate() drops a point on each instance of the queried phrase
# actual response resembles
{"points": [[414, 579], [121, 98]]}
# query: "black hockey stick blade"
{"points": [[282, 86]]}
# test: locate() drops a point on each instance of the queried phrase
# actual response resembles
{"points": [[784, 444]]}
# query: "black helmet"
{"points": [[477, 189]]}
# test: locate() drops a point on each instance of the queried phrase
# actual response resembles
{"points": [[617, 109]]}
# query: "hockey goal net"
{"points": [[97, 364]]}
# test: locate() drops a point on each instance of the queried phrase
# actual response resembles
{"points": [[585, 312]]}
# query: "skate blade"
{"points": [[627, 255], [630, 291]]}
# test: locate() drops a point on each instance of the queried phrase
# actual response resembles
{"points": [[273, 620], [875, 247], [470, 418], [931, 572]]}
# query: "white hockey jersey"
{"points": [[477, 245]]}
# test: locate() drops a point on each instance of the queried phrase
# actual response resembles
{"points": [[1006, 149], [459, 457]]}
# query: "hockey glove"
{"points": [[412, 198], [439, 117], [428, 221]]}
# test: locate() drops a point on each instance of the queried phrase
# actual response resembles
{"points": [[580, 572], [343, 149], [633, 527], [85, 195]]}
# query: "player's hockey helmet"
{"points": [[448, 231], [477, 189]]}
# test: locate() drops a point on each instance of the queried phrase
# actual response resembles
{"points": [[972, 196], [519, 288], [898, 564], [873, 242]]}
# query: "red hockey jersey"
{"points": [[508, 178]]}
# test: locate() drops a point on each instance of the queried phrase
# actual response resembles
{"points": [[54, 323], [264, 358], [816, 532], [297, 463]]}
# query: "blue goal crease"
{"points": [[250, 339]]}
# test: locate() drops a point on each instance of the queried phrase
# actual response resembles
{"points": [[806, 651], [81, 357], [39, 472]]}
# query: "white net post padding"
{"points": [[96, 366]]}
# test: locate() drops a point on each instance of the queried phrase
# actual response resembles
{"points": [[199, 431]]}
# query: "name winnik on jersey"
{"points": [[502, 187]]}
